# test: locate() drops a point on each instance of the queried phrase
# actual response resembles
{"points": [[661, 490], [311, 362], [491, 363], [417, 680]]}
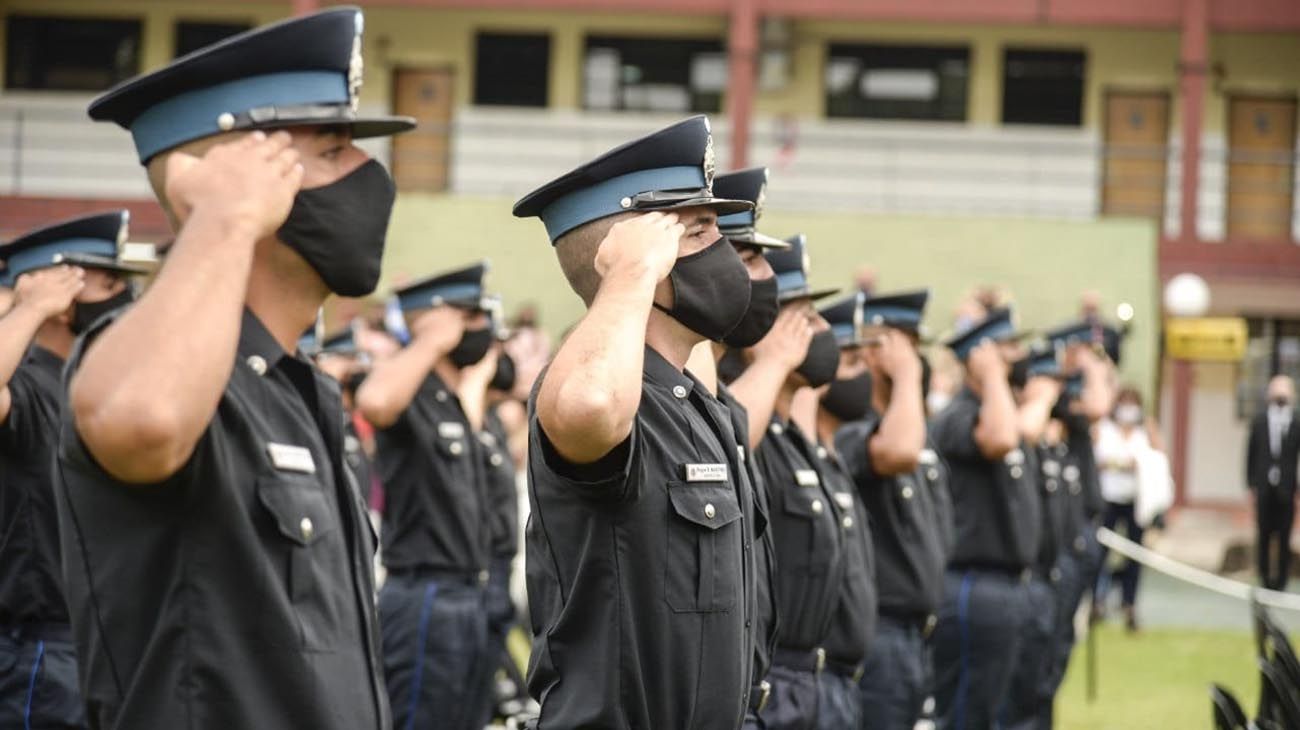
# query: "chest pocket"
{"points": [[807, 544], [703, 569], [304, 520]]}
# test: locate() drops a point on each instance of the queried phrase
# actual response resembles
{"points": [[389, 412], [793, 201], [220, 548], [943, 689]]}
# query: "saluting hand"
{"points": [[646, 244], [896, 356], [985, 362], [787, 342], [248, 184], [442, 326], [49, 291], [1042, 388]]}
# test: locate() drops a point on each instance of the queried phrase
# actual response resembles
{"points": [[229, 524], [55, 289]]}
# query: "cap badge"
{"points": [[758, 203], [355, 66], [709, 166]]}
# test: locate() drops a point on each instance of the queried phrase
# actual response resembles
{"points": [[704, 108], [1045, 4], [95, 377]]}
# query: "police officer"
{"points": [[764, 306], [338, 356], [436, 530], [995, 499], [66, 276], [902, 484], [640, 538], [854, 625], [1029, 698], [806, 520], [217, 557]]}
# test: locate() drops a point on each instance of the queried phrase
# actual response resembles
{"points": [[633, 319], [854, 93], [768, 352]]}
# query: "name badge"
{"points": [[291, 458], [844, 500], [706, 472], [928, 457], [807, 478], [451, 430]]}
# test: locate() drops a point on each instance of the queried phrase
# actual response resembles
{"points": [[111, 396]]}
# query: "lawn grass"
{"points": [[1157, 680]]}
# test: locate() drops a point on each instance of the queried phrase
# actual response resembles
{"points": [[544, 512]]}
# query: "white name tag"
{"points": [[806, 478], [291, 458], [451, 430], [706, 472], [844, 500], [928, 457]]}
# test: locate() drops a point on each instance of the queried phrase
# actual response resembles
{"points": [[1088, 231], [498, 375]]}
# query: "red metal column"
{"points": [[1193, 65], [1182, 420], [305, 7], [742, 60]]}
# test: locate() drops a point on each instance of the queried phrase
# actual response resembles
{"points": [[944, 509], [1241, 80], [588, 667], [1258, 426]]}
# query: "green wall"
{"points": [[1043, 264]]}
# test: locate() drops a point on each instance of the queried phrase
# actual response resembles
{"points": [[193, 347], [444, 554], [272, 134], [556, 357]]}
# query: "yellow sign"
{"points": [[1206, 338]]}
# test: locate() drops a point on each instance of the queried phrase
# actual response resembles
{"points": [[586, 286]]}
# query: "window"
{"points": [[897, 82], [511, 69], [1273, 348], [191, 35], [654, 74], [1042, 87], [70, 54]]}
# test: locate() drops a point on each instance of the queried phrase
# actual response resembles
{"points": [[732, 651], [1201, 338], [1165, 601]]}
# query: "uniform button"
{"points": [[225, 121], [821, 452], [482, 577], [709, 511], [747, 544], [817, 506], [1074, 488], [495, 459], [455, 448], [777, 429], [257, 363], [1051, 486], [1080, 544], [440, 396], [1016, 472], [848, 522], [907, 492], [679, 391], [307, 528], [748, 623], [932, 474]]}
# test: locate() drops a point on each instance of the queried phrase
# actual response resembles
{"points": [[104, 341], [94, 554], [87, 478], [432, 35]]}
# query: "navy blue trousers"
{"points": [[1029, 700], [839, 702], [435, 646], [794, 699], [500, 619], [896, 677], [977, 640], [1131, 570], [38, 684]]}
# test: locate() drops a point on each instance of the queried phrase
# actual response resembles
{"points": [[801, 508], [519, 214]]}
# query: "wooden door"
{"points": [[1136, 150], [1261, 167], [422, 156]]}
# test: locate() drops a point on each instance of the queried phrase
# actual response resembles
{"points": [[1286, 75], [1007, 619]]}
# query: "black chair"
{"points": [[1277, 703], [1260, 623], [1284, 656], [1228, 714]]}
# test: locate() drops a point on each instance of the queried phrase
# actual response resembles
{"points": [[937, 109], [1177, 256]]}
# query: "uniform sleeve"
{"points": [[33, 414], [614, 477], [851, 444], [953, 431]]}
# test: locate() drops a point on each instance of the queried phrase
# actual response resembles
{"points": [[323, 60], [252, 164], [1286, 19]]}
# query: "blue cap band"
{"points": [[605, 197], [845, 333], [39, 257], [995, 331], [422, 297], [898, 317], [743, 219], [193, 115], [788, 281]]}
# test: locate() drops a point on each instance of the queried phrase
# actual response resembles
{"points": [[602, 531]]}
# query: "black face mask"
{"points": [[764, 306], [339, 229], [84, 314], [1019, 374], [732, 365], [823, 359], [473, 346], [504, 378], [710, 290], [927, 371], [353, 382], [849, 400]]}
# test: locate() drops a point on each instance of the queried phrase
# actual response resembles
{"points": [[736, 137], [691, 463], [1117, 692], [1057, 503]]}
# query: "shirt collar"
{"points": [[256, 342], [662, 373], [38, 355]]}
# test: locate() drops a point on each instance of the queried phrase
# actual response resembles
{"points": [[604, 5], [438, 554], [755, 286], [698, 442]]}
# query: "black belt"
{"points": [[844, 669], [921, 623], [439, 575], [1010, 572], [759, 694], [803, 660], [37, 632]]}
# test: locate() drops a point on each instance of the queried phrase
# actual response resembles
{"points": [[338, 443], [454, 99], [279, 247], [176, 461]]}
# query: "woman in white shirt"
{"points": [[1120, 442]]}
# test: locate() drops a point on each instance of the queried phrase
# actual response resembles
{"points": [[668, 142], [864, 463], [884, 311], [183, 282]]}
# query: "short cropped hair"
{"points": [[577, 253]]}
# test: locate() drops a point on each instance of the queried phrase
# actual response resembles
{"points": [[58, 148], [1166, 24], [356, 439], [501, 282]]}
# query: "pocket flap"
{"points": [[707, 505], [299, 508], [805, 503]]}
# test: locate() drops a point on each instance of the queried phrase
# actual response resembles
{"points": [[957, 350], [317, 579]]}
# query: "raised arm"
{"points": [[1098, 394], [394, 381], [39, 295], [896, 445], [589, 396], [1035, 412], [997, 432], [474, 381], [775, 356], [149, 385]]}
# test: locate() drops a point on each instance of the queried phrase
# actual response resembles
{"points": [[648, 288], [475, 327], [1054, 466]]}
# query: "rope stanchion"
{"points": [[1195, 576]]}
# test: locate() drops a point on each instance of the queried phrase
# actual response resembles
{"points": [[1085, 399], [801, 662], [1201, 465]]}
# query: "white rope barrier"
{"points": [[1195, 576]]}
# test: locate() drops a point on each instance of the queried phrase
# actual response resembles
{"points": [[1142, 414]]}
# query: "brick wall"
{"points": [[19, 214]]}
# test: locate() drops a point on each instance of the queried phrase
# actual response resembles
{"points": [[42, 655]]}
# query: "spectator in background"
{"points": [[1090, 306], [865, 279], [530, 348], [1122, 443], [1271, 476]]}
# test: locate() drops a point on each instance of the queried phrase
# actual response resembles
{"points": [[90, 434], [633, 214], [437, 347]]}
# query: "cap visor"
{"points": [[811, 295], [721, 206], [362, 127], [90, 261], [754, 238]]}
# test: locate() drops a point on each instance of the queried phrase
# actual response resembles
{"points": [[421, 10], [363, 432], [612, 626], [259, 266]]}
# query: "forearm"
{"points": [[896, 446], [1032, 419], [1096, 397], [757, 389], [392, 384], [997, 431], [148, 386], [590, 394]]}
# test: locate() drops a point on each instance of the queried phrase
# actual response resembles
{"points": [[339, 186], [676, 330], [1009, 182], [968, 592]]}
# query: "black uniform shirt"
{"points": [[854, 623], [435, 495], [1079, 517], [906, 524], [1078, 440], [31, 589], [502, 494], [995, 503], [238, 592], [933, 473], [807, 533], [767, 622], [1054, 507], [354, 456], [640, 570]]}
